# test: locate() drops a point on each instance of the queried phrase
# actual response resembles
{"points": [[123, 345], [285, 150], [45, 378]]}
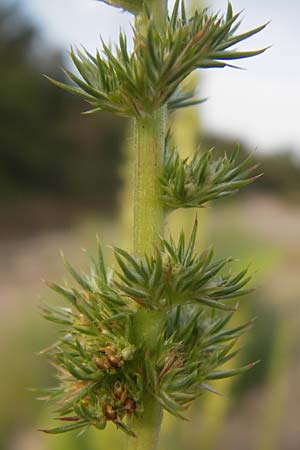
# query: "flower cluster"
{"points": [[104, 367], [178, 276], [136, 83], [193, 182]]}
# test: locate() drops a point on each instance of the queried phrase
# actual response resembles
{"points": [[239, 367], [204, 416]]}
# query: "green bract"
{"points": [[136, 83]]}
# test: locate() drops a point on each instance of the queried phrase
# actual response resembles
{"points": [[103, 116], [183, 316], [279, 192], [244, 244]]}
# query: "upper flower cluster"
{"points": [[137, 82]]}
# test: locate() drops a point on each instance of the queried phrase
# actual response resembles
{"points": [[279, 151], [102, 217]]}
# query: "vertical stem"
{"points": [[159, 12], [146, 427], [149, 136], [149, 142]]}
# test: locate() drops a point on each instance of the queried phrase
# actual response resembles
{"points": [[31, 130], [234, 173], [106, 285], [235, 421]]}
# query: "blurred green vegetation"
{"points": [[49, 155], [48, 151], [281, 168]]}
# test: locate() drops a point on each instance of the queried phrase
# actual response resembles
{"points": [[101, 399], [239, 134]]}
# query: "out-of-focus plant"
{"points": [[64, 173], [274, 407], [147, 335]]}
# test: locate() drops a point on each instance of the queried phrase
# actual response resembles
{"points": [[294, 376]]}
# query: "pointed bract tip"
{"points": [[253, 364]]}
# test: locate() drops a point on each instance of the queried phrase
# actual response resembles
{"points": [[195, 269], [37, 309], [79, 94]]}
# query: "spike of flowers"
{"points": [[101, 368], [148, 334]]}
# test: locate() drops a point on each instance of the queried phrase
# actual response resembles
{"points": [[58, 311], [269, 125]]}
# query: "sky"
{"points": [[259, 105]]}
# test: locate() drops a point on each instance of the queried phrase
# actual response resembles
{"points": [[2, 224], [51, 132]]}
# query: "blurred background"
{"points": [[63, 179]]}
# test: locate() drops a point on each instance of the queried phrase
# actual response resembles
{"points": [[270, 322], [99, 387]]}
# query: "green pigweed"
{"points": [[148, 334]]}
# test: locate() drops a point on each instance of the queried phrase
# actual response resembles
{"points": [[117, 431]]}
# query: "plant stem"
{"points": [[159, 12], [149, 142], [149, 137], [146, 427]]}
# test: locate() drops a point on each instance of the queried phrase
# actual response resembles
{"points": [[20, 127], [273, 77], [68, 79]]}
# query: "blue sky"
{"points": [[260, 105]]}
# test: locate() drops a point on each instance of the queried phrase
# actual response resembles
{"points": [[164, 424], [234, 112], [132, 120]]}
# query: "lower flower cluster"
{"points": [[106, 367]]}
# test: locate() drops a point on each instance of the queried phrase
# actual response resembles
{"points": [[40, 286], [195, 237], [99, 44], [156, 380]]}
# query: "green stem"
{"points": [[148, 223], [149, 142], [149, 137], [159, 13], [146, 427]]}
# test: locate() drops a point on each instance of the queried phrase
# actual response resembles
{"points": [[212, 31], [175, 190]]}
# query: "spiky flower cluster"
{"points": [[193, 182], [104, 367], [156, 324], [135, 83], [176, 276]]}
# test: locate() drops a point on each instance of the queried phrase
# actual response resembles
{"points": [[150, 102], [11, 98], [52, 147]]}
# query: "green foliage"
{"points": [[139, 82], [104, 367], [192, 182], [48, 160]]}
